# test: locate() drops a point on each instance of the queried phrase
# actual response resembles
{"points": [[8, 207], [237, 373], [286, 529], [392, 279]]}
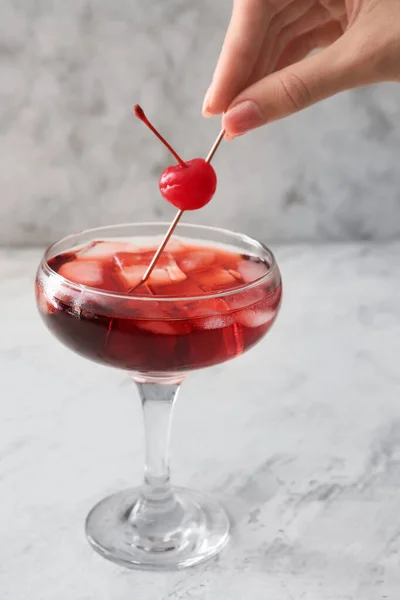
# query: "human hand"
{"points": [[262, 74]]}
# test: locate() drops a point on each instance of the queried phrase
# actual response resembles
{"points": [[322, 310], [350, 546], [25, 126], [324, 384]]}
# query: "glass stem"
{"points": [[157, 403], [157, 514]]}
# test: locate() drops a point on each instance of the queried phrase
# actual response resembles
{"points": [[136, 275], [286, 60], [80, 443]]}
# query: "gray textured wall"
{"points": [[72, 155]]}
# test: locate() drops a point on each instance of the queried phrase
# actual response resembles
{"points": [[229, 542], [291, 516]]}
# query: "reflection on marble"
{"points": [[302, 444], [73, 156]]}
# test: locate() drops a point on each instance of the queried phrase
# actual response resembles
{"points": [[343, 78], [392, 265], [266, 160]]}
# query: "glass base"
{"points": [[116, 530]]}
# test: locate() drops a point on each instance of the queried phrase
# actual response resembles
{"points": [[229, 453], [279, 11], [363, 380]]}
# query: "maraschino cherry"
{"points": [[188, 185]]}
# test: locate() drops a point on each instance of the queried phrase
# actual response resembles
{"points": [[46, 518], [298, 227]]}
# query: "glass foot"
{"points": [[196, 529]]}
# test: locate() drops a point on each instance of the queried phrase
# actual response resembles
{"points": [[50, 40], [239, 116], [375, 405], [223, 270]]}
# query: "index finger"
{"points": [[243, 41]]}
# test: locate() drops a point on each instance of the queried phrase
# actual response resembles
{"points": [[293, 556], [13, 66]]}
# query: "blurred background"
{"points": [[73, 156]]}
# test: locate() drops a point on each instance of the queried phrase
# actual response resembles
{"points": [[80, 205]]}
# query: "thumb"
{"points": [[296, 87]]}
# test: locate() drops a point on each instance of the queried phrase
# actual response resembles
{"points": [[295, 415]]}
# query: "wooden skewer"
{"points": [[215, 145], [176, 220]]}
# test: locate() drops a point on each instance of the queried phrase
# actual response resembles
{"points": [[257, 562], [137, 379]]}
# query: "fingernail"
{"points": [[243, 117], [205, 110], [230, 136]]}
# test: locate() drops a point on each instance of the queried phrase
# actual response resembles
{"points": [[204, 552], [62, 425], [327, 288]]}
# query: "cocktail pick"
{"points": [[176, 220]]}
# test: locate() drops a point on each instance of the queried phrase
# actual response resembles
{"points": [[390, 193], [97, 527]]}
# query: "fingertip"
{"points": [[229, 137], [242, 117], [206, 113], [210, 109], [212, 103]]}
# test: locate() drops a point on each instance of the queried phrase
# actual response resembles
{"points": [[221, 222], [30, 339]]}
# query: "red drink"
{"points": [[196, 310]]}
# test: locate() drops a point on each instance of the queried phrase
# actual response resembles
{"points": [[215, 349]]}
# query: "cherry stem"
{"points": [[139, 113]]}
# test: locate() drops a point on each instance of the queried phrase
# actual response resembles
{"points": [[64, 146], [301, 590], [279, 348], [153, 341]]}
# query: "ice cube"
{"points": [[184, 289], [171, 273], [175, 273], [174, 246], [215, 278], [103, 250], [131, 259], [130, 276], [213, 322], [88, 272], [165, 272], [207, 307], [157, 327], [252, 270], [254, 317], [236, 275], [245, 298], [197, 260], [163, 327]]}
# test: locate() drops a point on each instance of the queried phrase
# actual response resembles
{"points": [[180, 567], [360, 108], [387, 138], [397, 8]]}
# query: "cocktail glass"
{"points": [[158, 339]]}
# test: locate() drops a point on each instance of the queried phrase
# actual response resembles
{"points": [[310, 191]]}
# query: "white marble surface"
{"points": [[300, 438], [73, 156]]}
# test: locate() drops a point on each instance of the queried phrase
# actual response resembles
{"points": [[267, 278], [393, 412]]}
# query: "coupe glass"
{"points": [[158, 340]]}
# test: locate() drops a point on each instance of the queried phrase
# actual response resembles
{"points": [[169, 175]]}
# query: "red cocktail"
{"points": [[194, 311], [212, 295]]}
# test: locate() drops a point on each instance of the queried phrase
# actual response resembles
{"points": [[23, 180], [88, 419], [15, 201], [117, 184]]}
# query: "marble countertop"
{"points": [[300, 438]]}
